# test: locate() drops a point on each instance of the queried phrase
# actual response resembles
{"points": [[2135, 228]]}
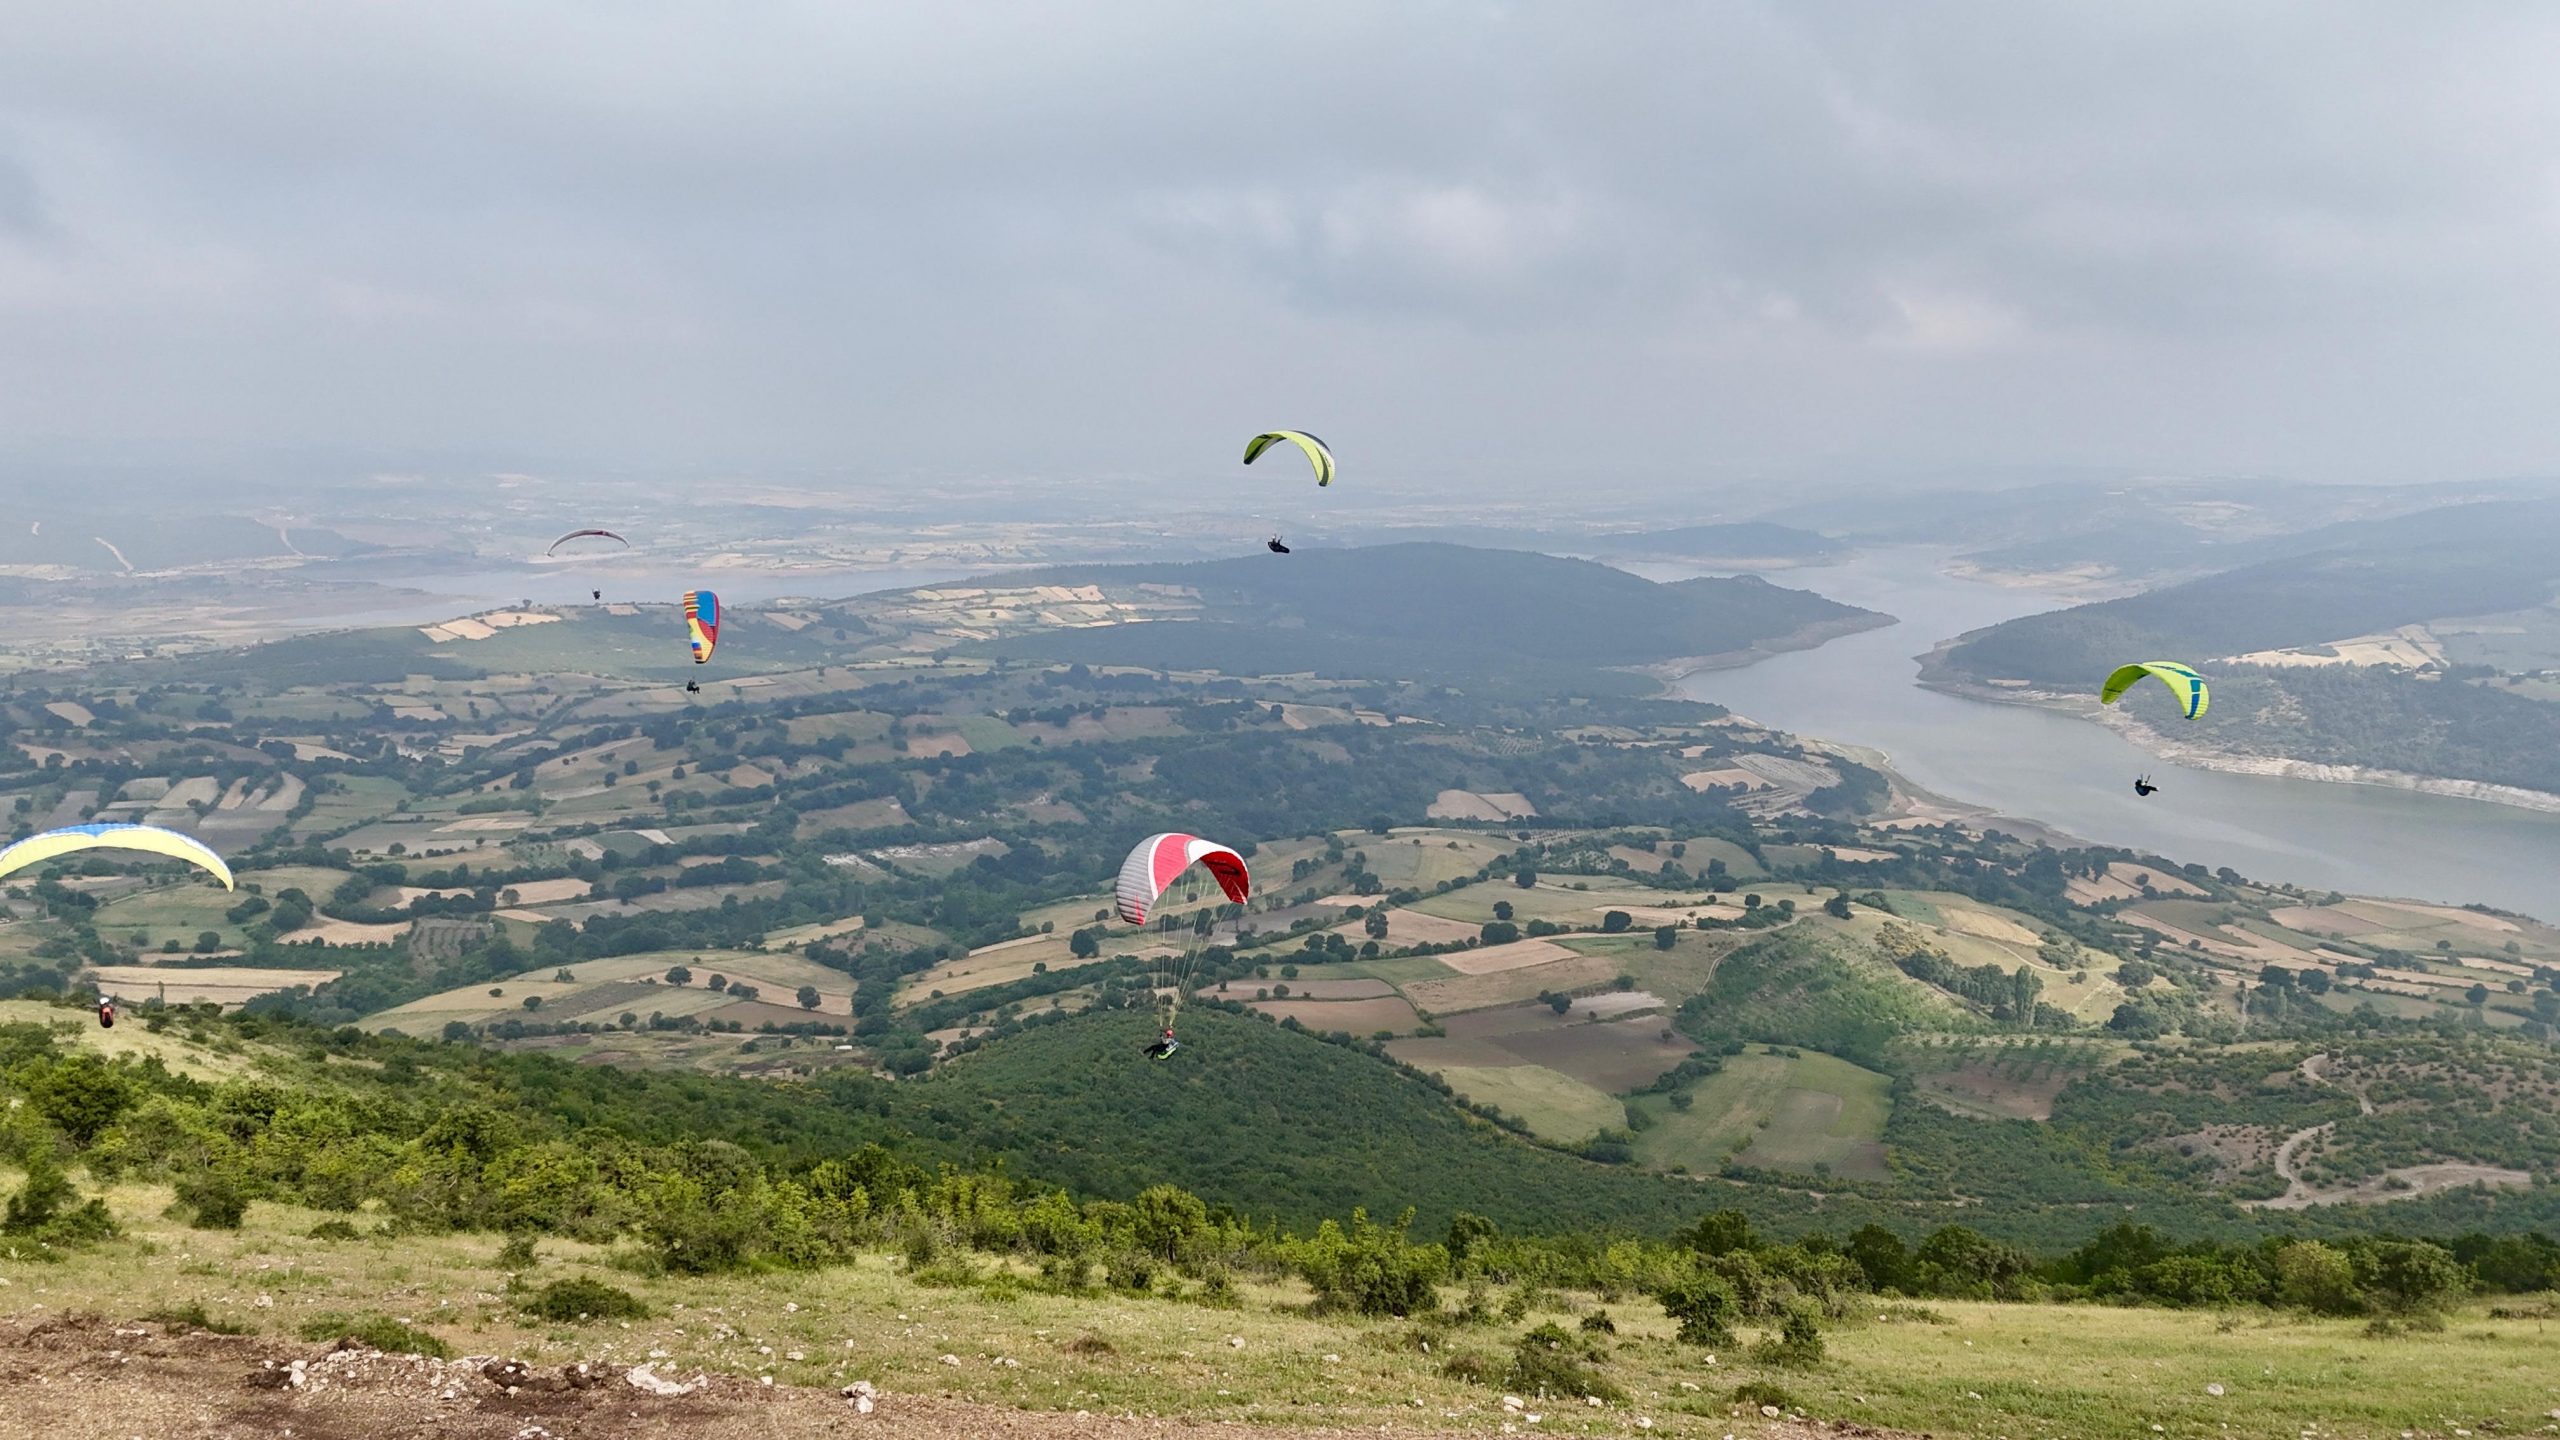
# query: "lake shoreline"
{"points": [[1934, 675]]}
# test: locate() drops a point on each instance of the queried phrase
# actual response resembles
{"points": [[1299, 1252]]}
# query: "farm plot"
{"points": [[1554, 1106], [1477, 992], [1358, 1017], [224, 985], [1800, 1111]]}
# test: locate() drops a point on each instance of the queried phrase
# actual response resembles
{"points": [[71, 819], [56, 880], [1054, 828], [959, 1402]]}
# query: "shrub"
{"points": [[1797, 1345], [1599, 1323], [380, 1332], [1371, 1269], [1756, 1393], [573, 1300], [338, 1228], [192, 1316], [1703, 1305], [1553, 1361], [213, 1201], [517, 1254]]}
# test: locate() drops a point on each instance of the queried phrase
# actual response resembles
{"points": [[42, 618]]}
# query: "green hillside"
{"points": [[2376, 576], [1434, 610]]}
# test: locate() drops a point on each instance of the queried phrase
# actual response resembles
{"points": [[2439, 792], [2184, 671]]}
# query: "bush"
{"points": [[1756, 1393], [1371, 1269], [517, 1254], [380, 1332], [192, 1316], [573, 1300], [213, 1201], [336, 1228], [1797, 1345], [1702, 1302], [1552, 1361]]}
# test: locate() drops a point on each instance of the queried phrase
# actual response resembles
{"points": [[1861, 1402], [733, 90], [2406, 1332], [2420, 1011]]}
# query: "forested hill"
{"points": [[1434, 611], [2370, 577]]}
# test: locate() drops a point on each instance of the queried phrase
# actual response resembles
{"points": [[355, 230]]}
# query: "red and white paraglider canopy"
{"points": [[1160, 859]]}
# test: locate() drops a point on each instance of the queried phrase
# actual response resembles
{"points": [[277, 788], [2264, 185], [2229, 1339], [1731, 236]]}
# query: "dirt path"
{"points": [[82, 1375], [2413, 1180]]}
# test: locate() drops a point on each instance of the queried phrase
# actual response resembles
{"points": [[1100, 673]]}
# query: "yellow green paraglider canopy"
{"points": [[1318, 454], [2184, 683], [36, 849]]}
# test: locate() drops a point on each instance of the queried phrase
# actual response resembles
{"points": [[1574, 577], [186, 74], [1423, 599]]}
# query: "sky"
{"points": [[1647, 244]]}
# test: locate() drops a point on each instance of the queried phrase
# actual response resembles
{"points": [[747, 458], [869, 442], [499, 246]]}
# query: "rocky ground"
{"points": [[73, 1377]]}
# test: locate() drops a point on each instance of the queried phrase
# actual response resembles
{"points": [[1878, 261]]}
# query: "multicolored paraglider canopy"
{"points": [[1318, 454], [701, 623], [578, 534], [2184, 683], [1159, 860], [36, 849]]}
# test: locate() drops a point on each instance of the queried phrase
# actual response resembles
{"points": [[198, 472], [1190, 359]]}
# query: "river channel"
{"points": [[2077, 776]]}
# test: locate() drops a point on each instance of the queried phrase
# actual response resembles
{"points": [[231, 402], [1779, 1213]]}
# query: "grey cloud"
{"points": [[1100, 239]]}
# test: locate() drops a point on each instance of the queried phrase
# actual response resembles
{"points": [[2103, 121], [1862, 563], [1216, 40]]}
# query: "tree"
{"points": [[533, 1002], [1499, 932], [808, 997], [2317, 1278], [679, 975], [1837, 907], [81, 1094], [1615, 922], [1501, 909], [1751, 902], [1718, 1232], [1525, 878], [1665, 936], [1083, 945], [1702, 1303], [1376, 923]]}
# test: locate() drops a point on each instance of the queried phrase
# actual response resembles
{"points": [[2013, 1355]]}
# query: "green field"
{"points": [[1554, 1106], [1774, 1112], [1952, 1368]]}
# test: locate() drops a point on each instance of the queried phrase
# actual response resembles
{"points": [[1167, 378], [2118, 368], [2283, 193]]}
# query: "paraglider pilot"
{"points": [[1163, 1049], [106, 1013], [2142, 785], [1274, 545]]}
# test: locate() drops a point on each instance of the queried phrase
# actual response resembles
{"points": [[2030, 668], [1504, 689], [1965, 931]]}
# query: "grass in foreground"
{"points": [[1948, 1369]]}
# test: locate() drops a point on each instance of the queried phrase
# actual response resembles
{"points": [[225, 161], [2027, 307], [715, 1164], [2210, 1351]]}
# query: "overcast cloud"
{"points": [[1617, 240]]}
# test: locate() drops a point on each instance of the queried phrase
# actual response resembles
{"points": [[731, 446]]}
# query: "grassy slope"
{"points": [[1274, 1124], [1987, 1370]]}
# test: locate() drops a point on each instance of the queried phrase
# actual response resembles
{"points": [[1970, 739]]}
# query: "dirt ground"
{"points": [[86, 1376]]}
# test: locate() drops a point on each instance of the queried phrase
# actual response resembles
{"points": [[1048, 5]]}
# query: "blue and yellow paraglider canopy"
{"points": [[2184, 683], [36, 849]]}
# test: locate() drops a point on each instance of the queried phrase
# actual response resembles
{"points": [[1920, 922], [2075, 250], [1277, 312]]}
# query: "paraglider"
{"points": [[1157, 864], [1159, 860], [701, 623], [1275, 546], [1317, 454], [2184, 683], [595, 594], [150, 839], [2142, 786], [692, 687], [578, 534], [106, 1013]]}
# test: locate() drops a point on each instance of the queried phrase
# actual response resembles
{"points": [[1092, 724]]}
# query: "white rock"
{"points": [[643, 1377], [2214, 1389], [790, 1307], [1509, 1402], [794, 1355], [1333, 1359], [1771, 1411], [1235, 1342], [950, 1360]]}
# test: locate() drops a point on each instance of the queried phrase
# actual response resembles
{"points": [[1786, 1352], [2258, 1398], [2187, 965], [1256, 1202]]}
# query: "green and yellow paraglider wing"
{"points": [[36, 849], [2184, 683], [1318, 454]]}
